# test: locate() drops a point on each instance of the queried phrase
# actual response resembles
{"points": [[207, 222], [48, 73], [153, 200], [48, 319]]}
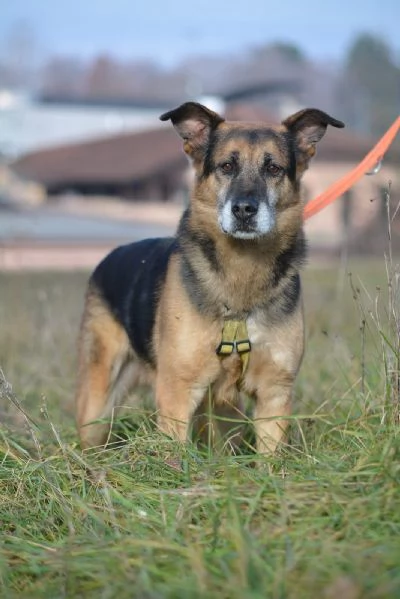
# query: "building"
{"points": [[29, 124], [150, 165], [147, 165]]}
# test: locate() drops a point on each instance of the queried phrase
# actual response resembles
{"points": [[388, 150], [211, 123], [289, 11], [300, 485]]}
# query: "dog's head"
{"points": [[250, 172]]}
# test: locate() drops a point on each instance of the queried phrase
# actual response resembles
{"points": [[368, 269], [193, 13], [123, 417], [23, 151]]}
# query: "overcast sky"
{"points": [[169, 30]]}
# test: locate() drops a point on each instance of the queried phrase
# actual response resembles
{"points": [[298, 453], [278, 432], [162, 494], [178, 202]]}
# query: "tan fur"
{"points": [[107, 371], [185, 349], [185, 341], [188, 368], [189, 375]]}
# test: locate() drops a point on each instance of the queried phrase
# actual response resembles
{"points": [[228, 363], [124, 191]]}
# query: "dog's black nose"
{"points": [[244, 208]]}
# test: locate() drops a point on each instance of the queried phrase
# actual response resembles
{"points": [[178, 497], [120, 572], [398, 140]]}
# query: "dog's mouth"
{"points": [[246, 219]]}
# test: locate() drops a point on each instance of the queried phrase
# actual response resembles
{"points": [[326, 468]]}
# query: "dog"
{"points": [[215, 311]]}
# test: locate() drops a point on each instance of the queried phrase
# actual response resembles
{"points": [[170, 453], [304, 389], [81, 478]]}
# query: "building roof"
{"points": [[119, 158]]}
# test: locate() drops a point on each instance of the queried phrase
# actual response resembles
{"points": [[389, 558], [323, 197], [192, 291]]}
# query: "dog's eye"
{"points": [[227, 167], [273, 169]]}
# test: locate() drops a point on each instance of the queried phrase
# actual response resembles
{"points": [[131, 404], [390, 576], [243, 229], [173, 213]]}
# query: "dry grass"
{"points": [[320, 519]]}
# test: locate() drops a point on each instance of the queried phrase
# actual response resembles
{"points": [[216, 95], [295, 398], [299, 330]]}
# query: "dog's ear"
{"points": [[194, 123], [308, 126]]}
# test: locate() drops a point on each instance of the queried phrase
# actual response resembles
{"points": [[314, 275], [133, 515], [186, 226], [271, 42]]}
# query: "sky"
{"points": [[170, 30]]}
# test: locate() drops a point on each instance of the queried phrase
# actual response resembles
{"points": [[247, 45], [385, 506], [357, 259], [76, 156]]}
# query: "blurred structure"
{"points": [[89, 140], [30, 123], [150, 166]]}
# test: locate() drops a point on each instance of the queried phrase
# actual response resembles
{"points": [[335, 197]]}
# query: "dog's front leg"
{"points": [[273, 404], [274, 362], [176, 401]]}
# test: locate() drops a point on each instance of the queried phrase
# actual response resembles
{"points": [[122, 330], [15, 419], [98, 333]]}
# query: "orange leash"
{"points": [[341, 186]]}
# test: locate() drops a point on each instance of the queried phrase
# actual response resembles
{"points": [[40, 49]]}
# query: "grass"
{"points": [[319, 519]]}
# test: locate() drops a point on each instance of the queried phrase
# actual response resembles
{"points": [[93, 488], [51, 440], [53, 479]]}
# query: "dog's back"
{"points": [[129, 281]]}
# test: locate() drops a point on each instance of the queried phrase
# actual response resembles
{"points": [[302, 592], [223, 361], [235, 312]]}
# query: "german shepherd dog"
{"points": [[216, 310]]}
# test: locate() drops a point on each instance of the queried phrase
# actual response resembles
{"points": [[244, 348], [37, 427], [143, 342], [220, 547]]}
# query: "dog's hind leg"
{"points": [[103, 357]]}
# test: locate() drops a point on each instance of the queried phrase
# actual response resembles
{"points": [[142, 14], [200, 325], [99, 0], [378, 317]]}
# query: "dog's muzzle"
{"points": [[246, 218]]}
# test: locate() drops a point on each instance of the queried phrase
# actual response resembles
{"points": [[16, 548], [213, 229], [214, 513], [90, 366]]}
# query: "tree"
{"points": [[20, 54], [290, 51], [63, 77], [371, 66]]}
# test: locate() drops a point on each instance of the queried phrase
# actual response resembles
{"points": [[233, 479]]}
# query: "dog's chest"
{"points": [[258, 332], [268, 341], [280, 343], [235, 364]]}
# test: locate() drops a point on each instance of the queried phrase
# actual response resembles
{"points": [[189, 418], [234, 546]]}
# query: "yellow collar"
{"points": [[235, 338]]}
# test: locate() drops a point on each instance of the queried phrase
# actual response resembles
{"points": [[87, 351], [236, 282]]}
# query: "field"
{"points": [[319, 519]]}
